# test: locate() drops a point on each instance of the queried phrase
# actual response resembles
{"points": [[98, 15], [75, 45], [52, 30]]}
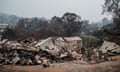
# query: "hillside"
{"points": [[8, 19]]}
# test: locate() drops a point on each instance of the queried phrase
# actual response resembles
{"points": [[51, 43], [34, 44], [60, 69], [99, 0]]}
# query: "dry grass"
{"points": [[113, 66]]}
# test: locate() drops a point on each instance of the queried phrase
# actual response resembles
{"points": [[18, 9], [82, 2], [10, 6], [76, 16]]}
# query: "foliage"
{"points": [[67, 25], [113, 7]]}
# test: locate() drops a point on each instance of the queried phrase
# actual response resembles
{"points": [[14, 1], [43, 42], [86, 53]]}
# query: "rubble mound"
{"points": [[48, 51], [25, 57]]}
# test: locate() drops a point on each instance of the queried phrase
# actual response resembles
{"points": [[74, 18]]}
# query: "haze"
{"points": [[87, 9]]}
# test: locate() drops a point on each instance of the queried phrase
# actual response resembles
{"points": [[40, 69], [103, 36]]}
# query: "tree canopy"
{"points": [[67, 25], [112, 6]]}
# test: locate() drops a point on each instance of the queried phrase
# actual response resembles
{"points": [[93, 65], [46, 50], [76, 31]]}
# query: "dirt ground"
{"points": [[113, 66]]}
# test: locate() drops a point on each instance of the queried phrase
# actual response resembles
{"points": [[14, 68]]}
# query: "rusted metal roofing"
{"points": [[75, 38]]}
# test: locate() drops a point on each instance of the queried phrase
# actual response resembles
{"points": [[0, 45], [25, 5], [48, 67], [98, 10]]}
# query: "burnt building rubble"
{"points": [[53, 50]]}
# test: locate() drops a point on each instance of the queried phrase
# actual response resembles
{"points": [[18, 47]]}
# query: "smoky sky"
{"points": [[87, 9]]}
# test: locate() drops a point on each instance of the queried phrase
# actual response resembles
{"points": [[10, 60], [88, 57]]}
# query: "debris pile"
{"points": [[45, 52], [25, 57]]}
